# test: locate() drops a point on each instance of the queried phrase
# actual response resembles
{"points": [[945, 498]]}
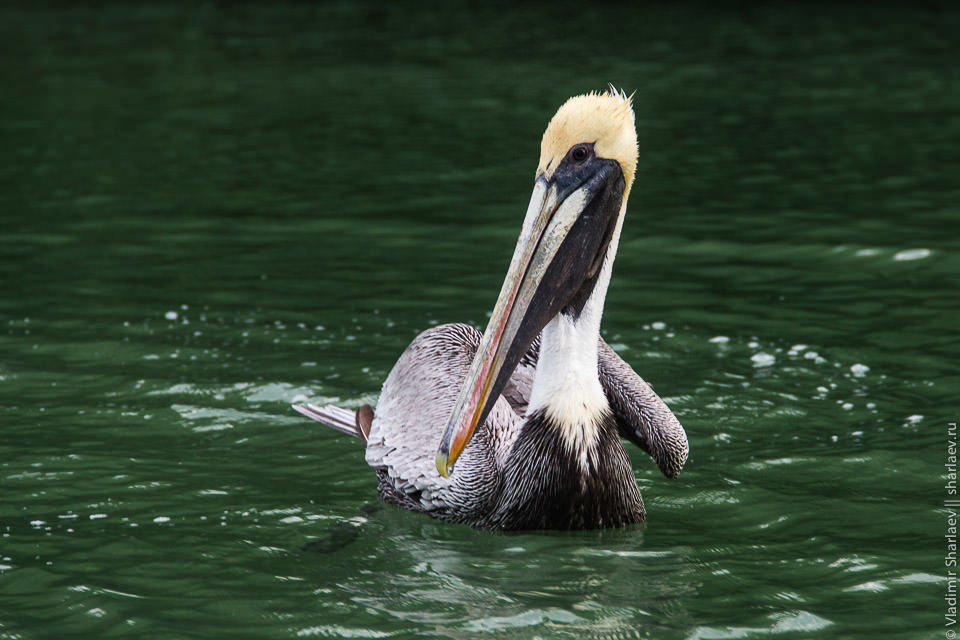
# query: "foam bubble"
{"points": [[762, 359]]}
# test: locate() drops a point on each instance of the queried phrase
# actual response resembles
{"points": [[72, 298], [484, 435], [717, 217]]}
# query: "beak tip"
{"points": [[443, 465]]}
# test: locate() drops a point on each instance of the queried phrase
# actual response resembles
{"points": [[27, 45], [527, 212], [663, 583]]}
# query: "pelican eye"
{"points": [[579, 153]]}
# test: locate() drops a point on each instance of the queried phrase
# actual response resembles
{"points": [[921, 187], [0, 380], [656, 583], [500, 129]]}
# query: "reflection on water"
{"points": [[209, 214]]}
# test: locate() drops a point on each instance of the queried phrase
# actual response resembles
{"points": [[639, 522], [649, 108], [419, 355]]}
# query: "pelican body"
{"points": [[520, 427]]}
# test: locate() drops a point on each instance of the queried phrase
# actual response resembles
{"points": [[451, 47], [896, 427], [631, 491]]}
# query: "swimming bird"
{"points": [[520, 427]]}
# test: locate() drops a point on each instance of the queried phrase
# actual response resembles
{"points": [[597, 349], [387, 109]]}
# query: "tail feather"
{"points": [[343, 420]]}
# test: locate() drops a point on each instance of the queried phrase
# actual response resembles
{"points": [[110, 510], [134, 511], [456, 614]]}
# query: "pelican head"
{"points": [[588, 157]]}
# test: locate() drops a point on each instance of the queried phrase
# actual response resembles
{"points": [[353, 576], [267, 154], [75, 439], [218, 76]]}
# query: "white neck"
{"points": [[567, 386]]}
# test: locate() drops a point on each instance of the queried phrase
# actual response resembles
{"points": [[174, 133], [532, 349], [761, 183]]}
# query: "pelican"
{"points": [[520, 427]]}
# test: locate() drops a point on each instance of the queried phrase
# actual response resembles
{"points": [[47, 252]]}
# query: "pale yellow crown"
{"points": [[604, 119]]}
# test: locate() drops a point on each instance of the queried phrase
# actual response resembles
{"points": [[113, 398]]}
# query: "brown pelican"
{"points": [[531, 411]]}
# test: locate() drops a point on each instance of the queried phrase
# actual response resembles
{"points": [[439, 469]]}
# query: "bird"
{"points": [[522, 427]]}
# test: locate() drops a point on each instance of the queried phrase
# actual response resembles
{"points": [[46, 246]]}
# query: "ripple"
{"points": [[338, 631], [911, 254], [521, 620], [789, 622], [874, 586]]}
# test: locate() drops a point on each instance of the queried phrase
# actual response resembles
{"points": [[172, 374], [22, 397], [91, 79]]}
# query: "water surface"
{"points": [[210, 212]]}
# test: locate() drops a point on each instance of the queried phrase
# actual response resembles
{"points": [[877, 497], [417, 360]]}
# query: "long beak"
{"points": [[528, 300]]}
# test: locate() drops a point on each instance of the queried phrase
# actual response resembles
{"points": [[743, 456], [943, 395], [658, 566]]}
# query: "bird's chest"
{"points": [[552, 483]]}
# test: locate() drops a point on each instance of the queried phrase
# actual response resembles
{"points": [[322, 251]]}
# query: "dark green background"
{"points": [[207, 211]]}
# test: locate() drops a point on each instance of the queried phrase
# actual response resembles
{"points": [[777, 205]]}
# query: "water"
{"points": [[209, 212]]}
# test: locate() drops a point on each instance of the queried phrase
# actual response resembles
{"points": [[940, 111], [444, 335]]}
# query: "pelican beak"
{"points": [[568, 226]]}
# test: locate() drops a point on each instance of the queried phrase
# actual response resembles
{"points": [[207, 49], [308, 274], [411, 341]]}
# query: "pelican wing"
{"points": [[414, 406], [642, 417]]}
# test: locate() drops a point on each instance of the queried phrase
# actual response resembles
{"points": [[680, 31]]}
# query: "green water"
{"points": [[207, 212]]}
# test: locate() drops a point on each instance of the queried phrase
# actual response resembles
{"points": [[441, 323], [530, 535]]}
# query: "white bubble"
{"points": [[171, 315], [859, 370], [763, 359], [161, 519], [719, 339], [659, 326]]}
